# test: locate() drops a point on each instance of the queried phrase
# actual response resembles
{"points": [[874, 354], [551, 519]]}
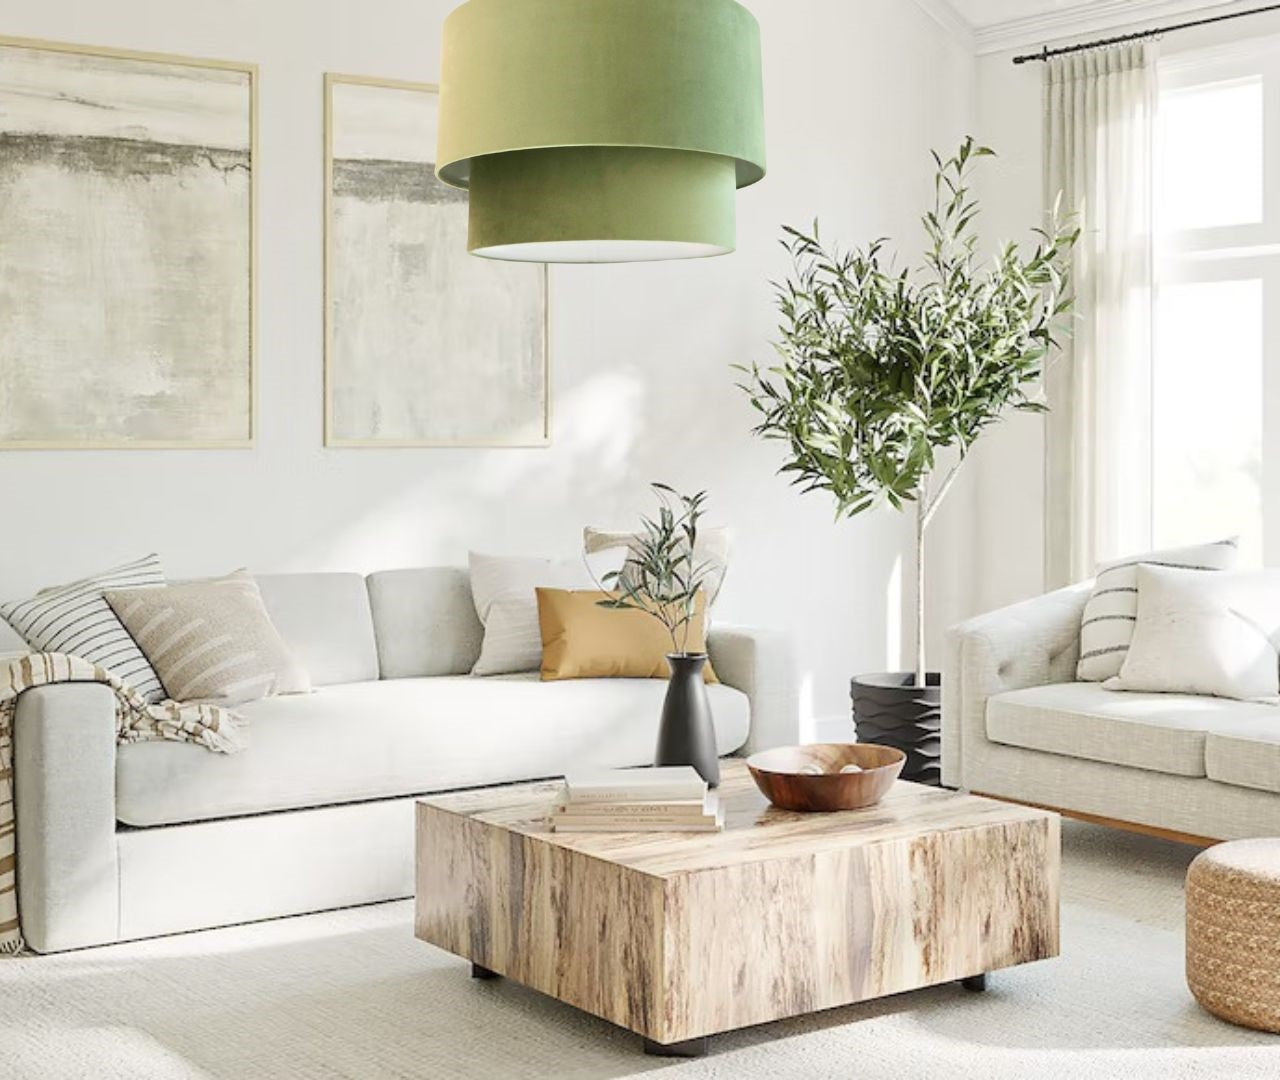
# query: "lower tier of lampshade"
{"points": [[593, 204]]}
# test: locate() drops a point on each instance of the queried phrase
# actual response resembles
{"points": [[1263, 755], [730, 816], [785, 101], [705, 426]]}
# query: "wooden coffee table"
{"points": [[679, 936]]}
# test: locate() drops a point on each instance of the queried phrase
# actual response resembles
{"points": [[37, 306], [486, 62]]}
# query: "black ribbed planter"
{"points": [[888, 709]]}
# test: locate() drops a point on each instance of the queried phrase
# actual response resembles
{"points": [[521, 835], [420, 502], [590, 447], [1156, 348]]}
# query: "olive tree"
{"points": [[885, 371]]}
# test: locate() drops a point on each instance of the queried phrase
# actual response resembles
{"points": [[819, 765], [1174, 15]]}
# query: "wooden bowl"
{"points": [[778, 774]]}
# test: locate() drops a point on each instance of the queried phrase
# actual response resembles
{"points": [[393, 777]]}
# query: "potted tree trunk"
{"points": [[888, 376]]}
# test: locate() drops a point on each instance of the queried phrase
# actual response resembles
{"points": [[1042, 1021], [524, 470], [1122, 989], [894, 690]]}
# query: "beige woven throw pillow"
{"points": [[210, 640], [711, 551]]}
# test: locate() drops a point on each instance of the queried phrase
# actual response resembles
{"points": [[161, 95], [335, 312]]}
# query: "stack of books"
{"points": [[668, 799]]}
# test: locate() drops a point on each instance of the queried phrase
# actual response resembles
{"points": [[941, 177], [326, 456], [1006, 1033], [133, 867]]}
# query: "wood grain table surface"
{"points": [[677, 936]]}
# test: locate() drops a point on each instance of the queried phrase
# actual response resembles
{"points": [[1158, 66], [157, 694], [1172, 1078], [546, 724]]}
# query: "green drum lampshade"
{"points": [[601, 130]]}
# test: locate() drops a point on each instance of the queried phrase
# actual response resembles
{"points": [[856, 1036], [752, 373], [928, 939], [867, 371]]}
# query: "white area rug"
{"points": [[352, 994]]}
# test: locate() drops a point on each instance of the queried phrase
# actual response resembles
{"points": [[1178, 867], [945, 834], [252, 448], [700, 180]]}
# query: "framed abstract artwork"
{"points": [[127, 249], [425, 345]]}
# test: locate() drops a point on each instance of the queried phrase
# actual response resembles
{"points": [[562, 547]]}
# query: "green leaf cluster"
{"points": [[662, 575], [881, 369]]}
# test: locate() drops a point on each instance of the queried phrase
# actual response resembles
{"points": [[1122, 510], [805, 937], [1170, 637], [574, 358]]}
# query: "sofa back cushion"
{"points": [[325, 621], [425, 622]]}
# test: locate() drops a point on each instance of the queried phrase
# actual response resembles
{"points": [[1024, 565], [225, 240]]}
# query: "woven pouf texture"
{"points": [[1233, 932]]}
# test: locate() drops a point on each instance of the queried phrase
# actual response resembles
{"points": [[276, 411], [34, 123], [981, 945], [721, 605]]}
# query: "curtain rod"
{"points": [[1047, 53]]}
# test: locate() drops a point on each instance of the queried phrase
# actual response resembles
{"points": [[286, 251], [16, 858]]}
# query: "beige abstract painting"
{"points": [[126, 249], [426, 344]]}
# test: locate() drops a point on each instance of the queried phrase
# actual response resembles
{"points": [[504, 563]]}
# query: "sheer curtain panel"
{"points": [[1099, 133]]}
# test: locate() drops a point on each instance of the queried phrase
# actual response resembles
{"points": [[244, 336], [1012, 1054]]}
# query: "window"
{"points": [[1217, 276], [1210, 164]]}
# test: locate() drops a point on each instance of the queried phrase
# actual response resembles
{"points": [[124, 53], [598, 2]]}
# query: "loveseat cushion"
{"points": [[375, 740], [1158, 732], [1246, 752]]}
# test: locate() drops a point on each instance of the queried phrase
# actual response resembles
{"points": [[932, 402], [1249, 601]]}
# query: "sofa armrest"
{"points": [[64, 772], [1028, 644], [760, 663]]}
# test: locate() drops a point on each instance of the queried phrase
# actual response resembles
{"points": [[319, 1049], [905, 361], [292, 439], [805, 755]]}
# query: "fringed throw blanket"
{"points": [[205, 725]]}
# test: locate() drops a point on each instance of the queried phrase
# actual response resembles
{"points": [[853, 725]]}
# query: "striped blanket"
{"points": [[205, 725]]}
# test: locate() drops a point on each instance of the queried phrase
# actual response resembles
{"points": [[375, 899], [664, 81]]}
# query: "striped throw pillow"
{"points": [[76, 619], [1106, 628]]}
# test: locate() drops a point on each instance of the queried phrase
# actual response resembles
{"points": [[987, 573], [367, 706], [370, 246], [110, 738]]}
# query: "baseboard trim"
{"points": [[1113, 823]]}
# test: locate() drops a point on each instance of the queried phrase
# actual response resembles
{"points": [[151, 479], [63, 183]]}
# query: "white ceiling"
{"points": [[984, 13], [1012, 24]]}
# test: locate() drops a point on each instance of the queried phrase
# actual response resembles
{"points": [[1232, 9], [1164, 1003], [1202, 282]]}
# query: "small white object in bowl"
{"points": [[851, 768], [810, 770]]}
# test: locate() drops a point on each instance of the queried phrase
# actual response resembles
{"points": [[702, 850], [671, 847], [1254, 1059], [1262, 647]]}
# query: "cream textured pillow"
{"points": [[211, 640], [502, 588], [1202, 633], [712, 548], [1107, 623]]}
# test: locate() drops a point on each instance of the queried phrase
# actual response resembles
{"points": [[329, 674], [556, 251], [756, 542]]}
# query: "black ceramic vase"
{"points": [[687, 735]]}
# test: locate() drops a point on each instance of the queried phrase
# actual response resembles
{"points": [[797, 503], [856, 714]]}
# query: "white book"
{"points": [[613, 825], [662, 784], [676, 808]]}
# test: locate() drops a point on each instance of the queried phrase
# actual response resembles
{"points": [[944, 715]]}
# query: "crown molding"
{"points": [[947, 17], [1085, 19]]}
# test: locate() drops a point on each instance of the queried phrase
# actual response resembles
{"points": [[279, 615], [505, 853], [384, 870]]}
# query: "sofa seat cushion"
{"points": [[1159, 732], [1246, 752], [374, 740]]}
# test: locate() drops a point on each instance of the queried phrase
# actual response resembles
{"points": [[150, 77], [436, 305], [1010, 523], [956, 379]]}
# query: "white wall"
{"points": [[998, 516], [856, 94]]}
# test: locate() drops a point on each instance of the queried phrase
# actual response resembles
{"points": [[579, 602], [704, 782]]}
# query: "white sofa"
{"points": [[1017, 725], [151, 838]]}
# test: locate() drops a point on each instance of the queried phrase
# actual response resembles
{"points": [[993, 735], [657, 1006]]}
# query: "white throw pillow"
{"points": [[1107, 624], [712, 549], [504, 591], [1200, 633]]}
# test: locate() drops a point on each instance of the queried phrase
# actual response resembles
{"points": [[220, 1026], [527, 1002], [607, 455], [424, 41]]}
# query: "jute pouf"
{"points": [[1233, 932]]}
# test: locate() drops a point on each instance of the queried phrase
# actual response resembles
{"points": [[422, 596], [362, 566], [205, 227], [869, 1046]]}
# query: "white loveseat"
{"points": [[151, 838], [1017, 725]]}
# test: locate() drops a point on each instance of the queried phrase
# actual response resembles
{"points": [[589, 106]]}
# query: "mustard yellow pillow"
{"points": [[582, 640]]}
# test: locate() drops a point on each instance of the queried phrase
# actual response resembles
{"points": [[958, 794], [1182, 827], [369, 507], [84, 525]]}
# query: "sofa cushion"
{"points": [[1160, 732], [375, 740], [325, 621], [425, 622], [1246, 752]]}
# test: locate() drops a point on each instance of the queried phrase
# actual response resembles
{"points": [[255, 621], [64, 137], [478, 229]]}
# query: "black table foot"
{"points": [[478, 972], [976, 983], [690, 1048]]}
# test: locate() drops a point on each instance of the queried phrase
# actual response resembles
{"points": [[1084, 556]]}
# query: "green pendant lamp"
{"points": [[601, 130]]}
